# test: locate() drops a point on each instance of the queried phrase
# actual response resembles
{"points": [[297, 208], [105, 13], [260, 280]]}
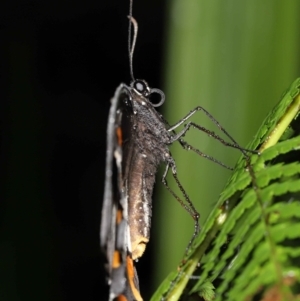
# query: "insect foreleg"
{"points": [[210, 133]]}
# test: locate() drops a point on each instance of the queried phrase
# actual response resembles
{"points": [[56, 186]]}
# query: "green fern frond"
{"points": [[249, 247]]}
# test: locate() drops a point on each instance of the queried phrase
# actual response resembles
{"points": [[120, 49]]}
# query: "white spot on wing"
{"points": [[146, 206]]}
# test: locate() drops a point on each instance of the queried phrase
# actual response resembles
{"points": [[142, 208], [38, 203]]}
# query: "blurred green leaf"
{"points": [[249, 246]]}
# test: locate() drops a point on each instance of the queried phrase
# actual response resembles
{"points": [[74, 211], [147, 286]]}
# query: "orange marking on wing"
{"points": [[119, 135], [119, 216], [116, 262], [130, 274], [121, 298]]}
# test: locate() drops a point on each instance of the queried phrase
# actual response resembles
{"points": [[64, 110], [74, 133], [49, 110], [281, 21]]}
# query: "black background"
{"points": [[61, 62]]}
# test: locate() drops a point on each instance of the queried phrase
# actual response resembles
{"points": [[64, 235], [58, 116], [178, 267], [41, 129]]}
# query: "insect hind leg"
{"points": [[186, 204]]}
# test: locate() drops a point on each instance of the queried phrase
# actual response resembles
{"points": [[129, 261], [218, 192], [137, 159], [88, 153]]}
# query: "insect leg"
{"points": [[187, 204], [187, 146], [210, 133]]}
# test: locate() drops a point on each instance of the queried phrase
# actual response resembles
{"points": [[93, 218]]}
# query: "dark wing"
{"points": [[109, 210], [114, 231]]}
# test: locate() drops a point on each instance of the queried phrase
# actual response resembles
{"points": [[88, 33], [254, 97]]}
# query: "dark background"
{"points": [[61, 62]]}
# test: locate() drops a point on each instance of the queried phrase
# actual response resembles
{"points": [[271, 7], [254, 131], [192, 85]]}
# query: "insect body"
{"points": [[145, 145], [138, 140]]}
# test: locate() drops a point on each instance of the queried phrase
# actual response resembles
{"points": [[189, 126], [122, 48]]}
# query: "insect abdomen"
{"points": [[139, 187]]}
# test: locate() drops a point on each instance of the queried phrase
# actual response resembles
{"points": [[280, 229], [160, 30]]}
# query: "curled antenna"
{"points": [[131, 45]]}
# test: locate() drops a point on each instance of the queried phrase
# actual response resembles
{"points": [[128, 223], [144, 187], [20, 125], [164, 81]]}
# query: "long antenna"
{"points": [[131, 45]]}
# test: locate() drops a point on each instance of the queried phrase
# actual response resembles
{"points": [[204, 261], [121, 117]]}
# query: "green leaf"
{"points": [[249, 246]]}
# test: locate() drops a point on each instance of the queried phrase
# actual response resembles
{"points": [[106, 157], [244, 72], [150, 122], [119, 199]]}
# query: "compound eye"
{"points": [[141, 87]]}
